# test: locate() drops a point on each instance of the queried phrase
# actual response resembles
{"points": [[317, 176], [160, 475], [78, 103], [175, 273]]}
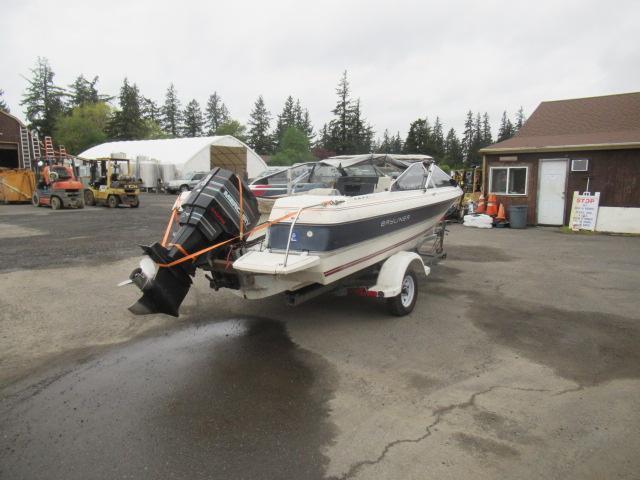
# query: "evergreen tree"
{"points": [[259, 121], [216, 114], [359, 133], [150, 110], [396, 145], [171, 121], [339, 126], [454, 155], [506, 128], [193, 120], [486, 136], [468, 136], [127, 123], [286, 119], [3, 105], [304, 124], [520, 119], [437, 140], [386, 144], [84, 92], [415, 141], [42, 99]]}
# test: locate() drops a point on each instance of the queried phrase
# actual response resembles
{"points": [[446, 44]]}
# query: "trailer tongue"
{"points": [[217, 212]]}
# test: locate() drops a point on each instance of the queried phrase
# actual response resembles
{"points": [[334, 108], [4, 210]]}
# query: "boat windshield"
{"points": [[416, 176], [413, 178]]}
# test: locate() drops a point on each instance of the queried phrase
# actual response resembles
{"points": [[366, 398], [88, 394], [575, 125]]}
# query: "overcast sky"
{"points": [[405, 59]]}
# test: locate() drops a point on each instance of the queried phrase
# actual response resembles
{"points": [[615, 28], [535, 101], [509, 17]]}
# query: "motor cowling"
{"points": [[212, 213]]}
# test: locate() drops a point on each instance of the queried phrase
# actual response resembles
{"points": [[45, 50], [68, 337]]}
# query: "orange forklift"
{"points": [[57, 185]]}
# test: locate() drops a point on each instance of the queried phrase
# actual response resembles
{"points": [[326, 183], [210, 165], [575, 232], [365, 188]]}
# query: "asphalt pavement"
{"points": [[521, 360]]}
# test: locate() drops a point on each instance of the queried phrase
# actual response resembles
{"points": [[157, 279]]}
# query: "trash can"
{"points": [[518, 216]]}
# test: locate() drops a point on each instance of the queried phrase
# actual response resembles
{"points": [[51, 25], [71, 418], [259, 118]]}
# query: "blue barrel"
{"points": [[518, 216]]}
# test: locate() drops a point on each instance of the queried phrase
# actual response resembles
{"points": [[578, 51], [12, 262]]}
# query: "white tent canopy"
{"points": [[195, 154]]}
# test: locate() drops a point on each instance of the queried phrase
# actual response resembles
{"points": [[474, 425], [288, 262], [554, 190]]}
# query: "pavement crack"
{"points": [[439, 414]]}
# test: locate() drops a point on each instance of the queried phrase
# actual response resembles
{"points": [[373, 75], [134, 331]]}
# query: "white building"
{"points": [[186, 155]]}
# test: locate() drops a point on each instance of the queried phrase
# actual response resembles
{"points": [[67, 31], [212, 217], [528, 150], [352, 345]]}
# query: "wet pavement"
{"points": [[235, 399]]}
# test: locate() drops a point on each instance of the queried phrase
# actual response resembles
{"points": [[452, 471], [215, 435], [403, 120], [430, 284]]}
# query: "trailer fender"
{"points": [[389, 282]]}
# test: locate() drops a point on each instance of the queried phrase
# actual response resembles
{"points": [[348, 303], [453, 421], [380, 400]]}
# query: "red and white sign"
{"points": [[584, 211]]}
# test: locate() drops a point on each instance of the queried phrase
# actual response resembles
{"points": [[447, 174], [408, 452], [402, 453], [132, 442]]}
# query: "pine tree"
{"points": [[3, 105], [43, 100], [467, 139], [286, 119], [259, 121], [486, 136], [386, 144], [438, 140], [506, 128], [397, 144], [339, 126], [193, 120], [127, 123], [150, 110], [520, 119], [216, 114], [171, 121], [454, 155], [304, 124], [84, 92], [359, 133]]}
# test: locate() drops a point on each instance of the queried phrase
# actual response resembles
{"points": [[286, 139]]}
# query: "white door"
{"points": [[551, 191]]}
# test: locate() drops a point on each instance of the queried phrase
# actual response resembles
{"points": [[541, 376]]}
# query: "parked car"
{"points": [[189, 181]]}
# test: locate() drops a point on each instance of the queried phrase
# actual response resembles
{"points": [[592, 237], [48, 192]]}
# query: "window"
{"points": [[508, 180], [361, 170]]}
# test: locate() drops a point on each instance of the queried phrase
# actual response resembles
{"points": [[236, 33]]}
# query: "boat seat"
{"points": [[384, 183]]}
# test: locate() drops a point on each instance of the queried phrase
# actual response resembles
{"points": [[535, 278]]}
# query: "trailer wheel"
{"points": [[403, 303], [112, 201], [56, 203], [89, 199], [35, 200]]}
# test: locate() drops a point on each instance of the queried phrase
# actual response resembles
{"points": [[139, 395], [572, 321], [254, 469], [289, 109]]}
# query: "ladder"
{"points": [[35, 143], [49, 154], [63, 153], [24, 145]]}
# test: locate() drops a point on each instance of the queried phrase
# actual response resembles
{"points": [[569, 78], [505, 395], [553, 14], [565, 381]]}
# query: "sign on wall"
{"points": [[584, 211]]}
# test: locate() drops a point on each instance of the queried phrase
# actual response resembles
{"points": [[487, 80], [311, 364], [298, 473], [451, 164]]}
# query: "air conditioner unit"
{"points": [[580, 165]]}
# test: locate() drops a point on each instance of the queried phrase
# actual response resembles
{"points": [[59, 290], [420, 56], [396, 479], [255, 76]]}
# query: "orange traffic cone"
{"points": [[501, 216], [481, 204], [492, 207]]}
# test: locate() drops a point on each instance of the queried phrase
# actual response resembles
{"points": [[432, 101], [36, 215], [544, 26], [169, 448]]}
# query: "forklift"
{"points": [[111, 183]]}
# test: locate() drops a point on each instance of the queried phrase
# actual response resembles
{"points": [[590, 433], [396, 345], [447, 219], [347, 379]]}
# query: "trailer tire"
{"points": [[403, 303], [35, 200], [56, 203], [89, 199], [112, 201]]}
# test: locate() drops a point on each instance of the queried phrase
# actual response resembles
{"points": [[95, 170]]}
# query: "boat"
{"points": [[310, 243]]}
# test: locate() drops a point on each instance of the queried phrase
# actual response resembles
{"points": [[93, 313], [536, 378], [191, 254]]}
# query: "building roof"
{"points": [[166, 150], [611, 121]]}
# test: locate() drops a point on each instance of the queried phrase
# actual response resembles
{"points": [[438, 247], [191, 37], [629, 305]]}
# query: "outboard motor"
{"points": [[210, 214]]}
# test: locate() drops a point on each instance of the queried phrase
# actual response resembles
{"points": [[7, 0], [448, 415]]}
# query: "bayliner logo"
{"points": [[393, 221]]}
